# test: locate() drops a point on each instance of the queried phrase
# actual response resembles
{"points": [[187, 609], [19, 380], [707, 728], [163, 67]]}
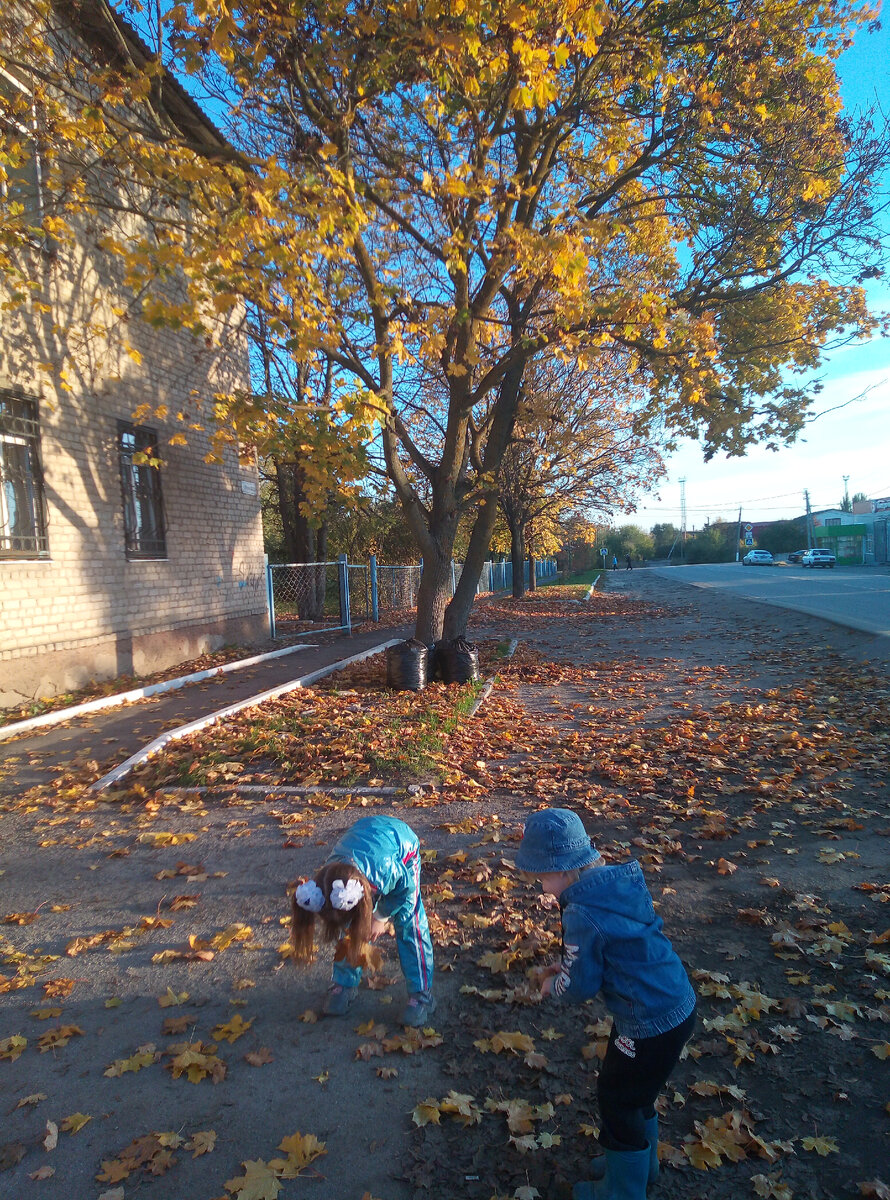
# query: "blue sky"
{"points": [[854, 441]]}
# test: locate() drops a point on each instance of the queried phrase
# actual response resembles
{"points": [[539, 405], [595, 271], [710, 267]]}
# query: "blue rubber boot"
{"points": [[598, 1164], [652, 1139], [625, 1178]]}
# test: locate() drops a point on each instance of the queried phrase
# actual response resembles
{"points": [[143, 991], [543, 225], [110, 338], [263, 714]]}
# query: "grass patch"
{"points": [[421, 741]]}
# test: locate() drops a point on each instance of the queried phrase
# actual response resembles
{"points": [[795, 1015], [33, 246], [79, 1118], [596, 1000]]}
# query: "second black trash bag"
{"points": [[457, 661], [407, 666]]}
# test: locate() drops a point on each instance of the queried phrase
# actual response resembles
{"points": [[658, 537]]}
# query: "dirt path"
{"points": [[751, 787]]}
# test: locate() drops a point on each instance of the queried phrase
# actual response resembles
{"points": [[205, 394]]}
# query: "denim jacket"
{"points": [[387, 853], [612, 942]]}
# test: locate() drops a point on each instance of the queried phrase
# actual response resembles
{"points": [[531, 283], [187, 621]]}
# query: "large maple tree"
{"points": [[432, 194]]}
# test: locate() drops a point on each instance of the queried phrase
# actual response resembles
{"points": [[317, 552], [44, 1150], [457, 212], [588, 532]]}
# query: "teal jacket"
{"points": [[387, 853]]}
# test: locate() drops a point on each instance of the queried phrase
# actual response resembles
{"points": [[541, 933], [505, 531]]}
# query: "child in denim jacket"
{"points": [[612, 943]]}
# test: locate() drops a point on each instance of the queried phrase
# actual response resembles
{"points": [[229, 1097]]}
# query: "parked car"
{"points": [[796, 555], [758, 558], [818, 558]]}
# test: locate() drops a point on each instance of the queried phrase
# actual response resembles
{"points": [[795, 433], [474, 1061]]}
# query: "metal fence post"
{"points": [[453, 580], [270, 596], [375, 607], [343, 572]]}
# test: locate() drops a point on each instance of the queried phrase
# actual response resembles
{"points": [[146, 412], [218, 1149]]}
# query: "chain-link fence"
{"points": [[359, 576], [306, 593], [397, 587], [304, 597]]}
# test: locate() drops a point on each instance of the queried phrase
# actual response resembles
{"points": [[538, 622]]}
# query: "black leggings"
{"points": [[633, 1073]]}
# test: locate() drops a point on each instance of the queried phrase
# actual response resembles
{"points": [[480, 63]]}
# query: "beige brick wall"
{"points": [[87, 612]]}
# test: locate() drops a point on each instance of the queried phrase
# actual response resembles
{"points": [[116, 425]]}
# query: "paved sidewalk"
{"points": [[110, 736]]}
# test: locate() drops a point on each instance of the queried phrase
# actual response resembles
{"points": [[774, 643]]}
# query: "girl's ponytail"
{"points": [[302, 933]]}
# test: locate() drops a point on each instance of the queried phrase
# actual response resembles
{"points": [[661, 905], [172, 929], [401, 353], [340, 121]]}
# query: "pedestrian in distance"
{"points": [[613, 944], [614, 563], [370, 878], [630, 565]]}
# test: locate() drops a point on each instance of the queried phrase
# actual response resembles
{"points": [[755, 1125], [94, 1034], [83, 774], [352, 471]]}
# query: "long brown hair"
{"points": [[353, 927]]}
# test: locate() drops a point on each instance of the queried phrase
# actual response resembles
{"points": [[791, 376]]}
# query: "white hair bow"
{"points": [[345, 896], [310, 896]]}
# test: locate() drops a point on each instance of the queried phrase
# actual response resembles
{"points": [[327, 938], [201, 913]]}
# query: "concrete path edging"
{"points": [[182, 731], [489, 683], [57, 716]]}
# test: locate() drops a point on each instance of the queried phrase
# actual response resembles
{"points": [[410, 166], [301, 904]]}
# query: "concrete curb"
{"points": [[182, 731], [489, 683], [153, 689], [314, 789]]}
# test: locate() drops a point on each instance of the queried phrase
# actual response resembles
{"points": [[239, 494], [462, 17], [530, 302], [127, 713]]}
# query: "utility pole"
{"points": [[811, 537], [847, 505], [683, 519], [738, 536]]}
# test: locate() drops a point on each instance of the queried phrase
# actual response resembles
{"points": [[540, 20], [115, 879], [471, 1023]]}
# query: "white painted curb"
{"points": [[592, 588], [489, 683], [153, 689], [182, 731]]}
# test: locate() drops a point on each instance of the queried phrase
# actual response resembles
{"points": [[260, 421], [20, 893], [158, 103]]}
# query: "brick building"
{"points": [[110, 564]]}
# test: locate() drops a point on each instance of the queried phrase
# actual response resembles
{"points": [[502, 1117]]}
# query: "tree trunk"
{"points": [[532, 582], [517, 556], [457, 614], [432, 596], [300, 540]]}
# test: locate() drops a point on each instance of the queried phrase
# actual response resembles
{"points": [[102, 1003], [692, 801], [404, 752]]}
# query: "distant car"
{"points": [[758, 558], [818, 558], [796, 555]]}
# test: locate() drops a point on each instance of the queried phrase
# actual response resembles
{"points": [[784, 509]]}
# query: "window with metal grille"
{"points": [[144, 525], [22, 507]]}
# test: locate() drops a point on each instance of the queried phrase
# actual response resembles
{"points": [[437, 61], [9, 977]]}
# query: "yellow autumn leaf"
{"points": [[233, 1029], [75, 1122], [426, 1113], [823, 1146]]}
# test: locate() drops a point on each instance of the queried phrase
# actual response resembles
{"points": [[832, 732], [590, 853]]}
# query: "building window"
{"points": [[20, 183], [832, 521], [22, 507], [144, 525]]}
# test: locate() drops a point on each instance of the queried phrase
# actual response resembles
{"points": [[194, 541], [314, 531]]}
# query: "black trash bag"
{"points": [[407, 666], [457, 661], [434, 671]]}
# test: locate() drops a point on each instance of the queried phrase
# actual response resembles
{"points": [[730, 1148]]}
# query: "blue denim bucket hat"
{"points": [[555, 840]]}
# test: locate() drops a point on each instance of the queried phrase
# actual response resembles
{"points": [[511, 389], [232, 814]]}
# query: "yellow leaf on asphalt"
{"points": [[170, 998], [259, 1182], [232, 1030], [426, 1113], [822, 1145], [11, 1048], [75, 1122], [201, 1142]]}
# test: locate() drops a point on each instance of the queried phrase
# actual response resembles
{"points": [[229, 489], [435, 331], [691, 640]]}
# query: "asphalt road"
{"points": [[856, 597]]}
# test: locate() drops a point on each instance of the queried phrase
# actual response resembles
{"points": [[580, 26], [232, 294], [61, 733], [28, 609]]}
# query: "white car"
{"points": [[758, 558], [818, 558]]}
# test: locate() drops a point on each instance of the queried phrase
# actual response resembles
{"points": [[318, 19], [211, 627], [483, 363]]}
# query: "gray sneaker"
{"points": [[417, 1010], [337, 1000]]}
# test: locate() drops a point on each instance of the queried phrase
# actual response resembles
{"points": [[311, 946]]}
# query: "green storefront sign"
{"points": [[846, 542]]}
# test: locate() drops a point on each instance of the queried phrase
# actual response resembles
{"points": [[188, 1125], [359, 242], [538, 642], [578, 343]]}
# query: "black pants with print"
{"points": [[633, 1073]]}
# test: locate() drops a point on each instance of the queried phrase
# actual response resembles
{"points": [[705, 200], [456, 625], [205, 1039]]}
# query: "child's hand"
{"points": [[378, 927], [547, 984], [542, 977]]}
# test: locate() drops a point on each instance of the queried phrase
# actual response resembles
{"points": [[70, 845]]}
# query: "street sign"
{"points": [[749, 528], [749, 541]]}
